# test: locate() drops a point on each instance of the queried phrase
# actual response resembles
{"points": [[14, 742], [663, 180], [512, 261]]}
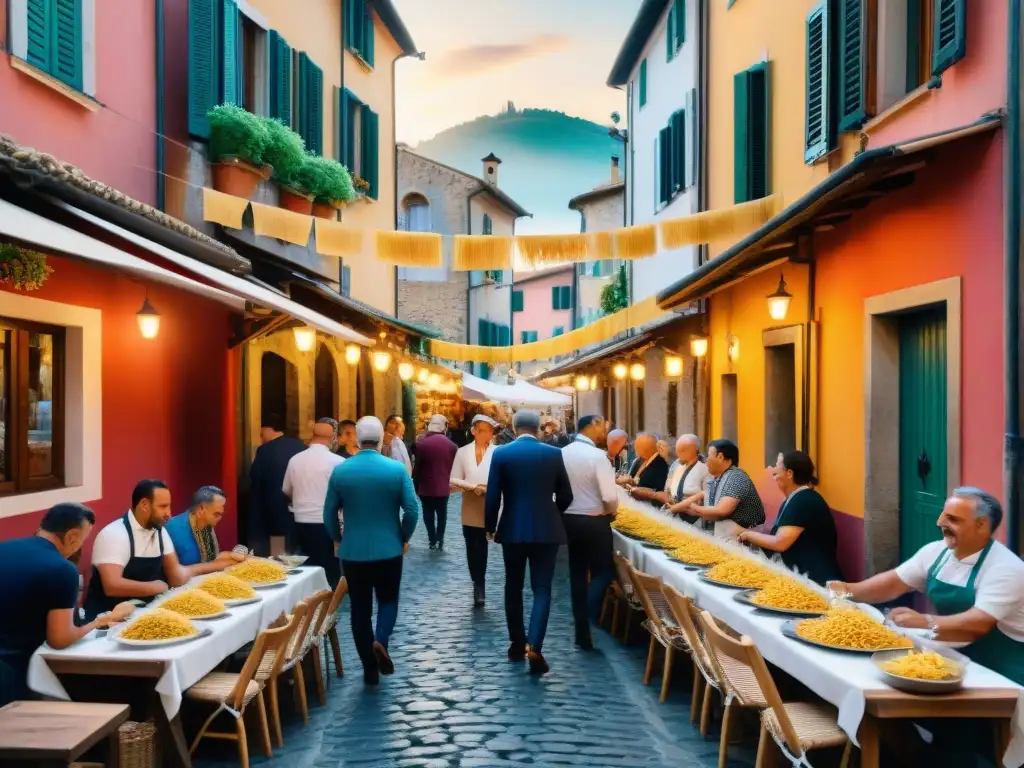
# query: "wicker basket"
{"points": [[138, 745]]}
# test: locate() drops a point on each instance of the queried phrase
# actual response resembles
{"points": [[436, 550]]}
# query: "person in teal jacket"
{"points": [[371, 511]]}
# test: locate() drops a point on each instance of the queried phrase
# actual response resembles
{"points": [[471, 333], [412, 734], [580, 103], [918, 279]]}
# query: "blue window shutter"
{"points": [[852, 65], [66, 50], [40, 38], [643, 83], [949, 43], [817, 139], [280, 78], [231, 59], [203, 65], [368, 37], [371, 151]]}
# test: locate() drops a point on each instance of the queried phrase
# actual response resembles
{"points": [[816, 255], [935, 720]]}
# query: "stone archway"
{"points": [[279, 391], [365, 404]]}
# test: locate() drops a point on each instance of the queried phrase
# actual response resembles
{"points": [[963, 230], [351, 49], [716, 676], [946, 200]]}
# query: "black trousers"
{"points": [[591, 567], [541, 560], [476, 552], [314, 542], [435, 507], [367, 578]]}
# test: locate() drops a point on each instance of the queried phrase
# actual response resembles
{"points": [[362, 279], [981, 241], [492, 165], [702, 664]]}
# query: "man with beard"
{"points": [[972, 580], [133, 557]]}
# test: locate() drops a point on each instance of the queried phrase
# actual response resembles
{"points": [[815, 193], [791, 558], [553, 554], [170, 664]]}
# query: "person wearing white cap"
{"points": [[469, 475], [379, 503], [435, 454]]}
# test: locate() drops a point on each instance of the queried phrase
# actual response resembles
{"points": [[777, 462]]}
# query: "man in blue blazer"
{"points": [[371, 511], [528, 484]]}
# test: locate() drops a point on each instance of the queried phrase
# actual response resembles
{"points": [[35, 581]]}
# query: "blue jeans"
{"points": [[541, 560]]}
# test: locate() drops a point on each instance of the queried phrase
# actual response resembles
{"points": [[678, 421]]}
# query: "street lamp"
{"points": [[778, 302], [422, 375], [620, 371], [148, 319], [305, 338], [582, 383], [699, 346], [381, 361], [673, 366], [405, 371], [637, 371], [352, 354]]}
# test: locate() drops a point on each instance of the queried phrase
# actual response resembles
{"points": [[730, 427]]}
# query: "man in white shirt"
{"points": [[394, 446], [688, 479], [974, 582], [305, 485], [588, 521]]}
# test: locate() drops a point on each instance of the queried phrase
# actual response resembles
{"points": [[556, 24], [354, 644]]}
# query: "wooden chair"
{"points": [[622, 568], [233, 692], [329, 631], [705, 678], [321, 603], [661, 624], [797, 727]]}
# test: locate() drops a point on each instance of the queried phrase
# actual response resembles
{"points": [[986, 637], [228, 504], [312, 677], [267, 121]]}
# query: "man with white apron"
{"points": [[734, 504], [972, 581]]}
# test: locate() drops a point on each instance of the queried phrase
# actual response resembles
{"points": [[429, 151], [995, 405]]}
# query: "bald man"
{"points": [[687, 476], [649, 471], [616, 442], [305, 485]]}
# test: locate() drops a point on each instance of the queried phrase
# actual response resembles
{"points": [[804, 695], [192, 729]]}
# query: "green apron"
{"points": [[995, 650]]}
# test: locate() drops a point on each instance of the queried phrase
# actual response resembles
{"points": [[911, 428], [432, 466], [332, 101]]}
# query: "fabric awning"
{"points": [[231, 283], [520, 393], [31, 228], [871, 174]]}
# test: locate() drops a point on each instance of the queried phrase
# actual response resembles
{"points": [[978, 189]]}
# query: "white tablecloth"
{"points": [[839, 678], [190, 661]]}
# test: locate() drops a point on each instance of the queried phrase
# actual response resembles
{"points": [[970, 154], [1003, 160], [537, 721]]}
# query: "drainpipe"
{"points": [[469, 274], [422, 56], [1013, 446], [161, 193]]}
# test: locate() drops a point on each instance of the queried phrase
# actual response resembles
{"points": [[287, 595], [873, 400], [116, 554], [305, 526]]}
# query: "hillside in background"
{"points": [[547, 158]]}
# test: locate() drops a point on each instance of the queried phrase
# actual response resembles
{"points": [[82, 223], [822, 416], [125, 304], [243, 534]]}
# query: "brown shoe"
{"points": [[538, 664], [384, 662], [516, 652]]}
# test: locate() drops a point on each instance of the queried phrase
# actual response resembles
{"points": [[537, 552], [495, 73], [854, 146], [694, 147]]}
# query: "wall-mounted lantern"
{"points": [[148, 319], [778, 302]]}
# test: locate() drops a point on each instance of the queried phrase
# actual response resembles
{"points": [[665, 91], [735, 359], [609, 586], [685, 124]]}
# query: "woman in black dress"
{"points": [[804, 533]]}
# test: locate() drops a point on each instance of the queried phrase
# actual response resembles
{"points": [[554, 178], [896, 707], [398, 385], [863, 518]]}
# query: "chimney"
{"points": [[491, 163], [615, 169]]}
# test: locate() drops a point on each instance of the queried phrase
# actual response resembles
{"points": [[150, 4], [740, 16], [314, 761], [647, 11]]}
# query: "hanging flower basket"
{"points": [[22, 269]]}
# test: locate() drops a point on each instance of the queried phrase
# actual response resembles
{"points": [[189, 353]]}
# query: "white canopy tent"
{"points": [[520, 393]]}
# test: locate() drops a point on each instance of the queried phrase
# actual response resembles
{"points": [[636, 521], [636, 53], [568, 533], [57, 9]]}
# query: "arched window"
{"points": [[416, 212], [279, 391]]}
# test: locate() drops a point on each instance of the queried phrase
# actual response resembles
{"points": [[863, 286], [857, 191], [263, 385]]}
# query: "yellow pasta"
{"points": [[226, 587], [258, 571], [741, 573], [159, 624], [698, 552], [851, 628], [194, 603], [788, 594], [924, 665]]}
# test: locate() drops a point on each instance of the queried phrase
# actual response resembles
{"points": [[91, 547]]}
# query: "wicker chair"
{"points": [[625, 584], [705, 678], [661, 624], [328, 633], [797, 727], [232, 693]]}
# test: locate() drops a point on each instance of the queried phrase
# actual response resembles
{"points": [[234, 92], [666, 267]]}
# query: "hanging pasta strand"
{"points": [[476, 252], [410, 249], [544, 250], [637, 242]]}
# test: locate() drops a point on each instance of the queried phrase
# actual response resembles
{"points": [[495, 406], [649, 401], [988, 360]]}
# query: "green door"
{"points": [[922, 427]]}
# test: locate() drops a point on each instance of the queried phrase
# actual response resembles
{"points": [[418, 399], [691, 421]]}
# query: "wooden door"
{"points": [[922, 427]]}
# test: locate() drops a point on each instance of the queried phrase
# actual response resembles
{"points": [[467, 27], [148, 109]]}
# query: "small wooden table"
{"points": [[995, 704], [58, 732]]}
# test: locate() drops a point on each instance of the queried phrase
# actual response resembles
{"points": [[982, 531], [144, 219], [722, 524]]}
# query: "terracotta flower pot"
{"points": [[236, 177], [325, 211], [295, 201]]}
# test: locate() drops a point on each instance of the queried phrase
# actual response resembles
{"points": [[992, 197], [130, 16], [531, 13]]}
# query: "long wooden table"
{"points": [[43, 733]]}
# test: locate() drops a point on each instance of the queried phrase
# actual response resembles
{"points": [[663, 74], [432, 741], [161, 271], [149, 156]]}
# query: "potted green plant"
{"points": [[287, 152], [330, 184], [238, 142], [23, 269]]}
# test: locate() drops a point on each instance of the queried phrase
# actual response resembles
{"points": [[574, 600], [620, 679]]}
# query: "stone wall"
{"points": [[604, 213], [438, 306]]}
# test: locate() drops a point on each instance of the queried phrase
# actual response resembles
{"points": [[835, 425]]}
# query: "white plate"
{"points": [[211, 617], [242, 601], [203, 632], [268, 584]]}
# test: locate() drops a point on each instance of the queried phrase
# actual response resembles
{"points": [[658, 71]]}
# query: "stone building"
{"points": [[434, 197]]}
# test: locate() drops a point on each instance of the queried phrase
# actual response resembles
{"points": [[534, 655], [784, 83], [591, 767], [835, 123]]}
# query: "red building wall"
{"points": [[169, 404]]}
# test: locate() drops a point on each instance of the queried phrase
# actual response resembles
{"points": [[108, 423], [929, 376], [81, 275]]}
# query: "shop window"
{"points": [[730, 410], [672, 407], [779, 400], [31, 406]]}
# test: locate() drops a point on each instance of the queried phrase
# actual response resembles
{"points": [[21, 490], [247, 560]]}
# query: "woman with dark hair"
{"points": [[804, 533]]}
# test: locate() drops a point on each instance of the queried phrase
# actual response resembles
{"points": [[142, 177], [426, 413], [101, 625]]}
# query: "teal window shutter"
{"points": [[346, 280], [368, 37], [678, 125], [914, 43], [488, 226], [347, 129], [670, 34], [693, 158], [559, 330], [949, 43], [664, 164], [302, 111], [751, 133], [231, 55], [280, 78], [504, 336], [481, 332], [741, 137], [852, 65], [643, 83], [40, 39], [203, 65], [817, 139], [371, 151], [517, 301], [680, 6], [566, 297], [66, 48], [555, 297], [314, 82]]}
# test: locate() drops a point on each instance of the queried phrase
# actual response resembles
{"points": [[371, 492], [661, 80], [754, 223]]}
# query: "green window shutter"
{"points": [[280, 78], [817, 141], [559, 330], [760, 130], [481, 332], [566, 297], [517, 301], [488, 225], [346, 129], [485, 371], [554, 297], [499, 275], [231, 55], [505, 336], [693, 158], [950, 34], [680, 23], [741, 137], [66, 60], [914, 43], [368, 37], [678, 125], [314, 97], [203, 65], [40, 38], [643, 83], [371, 151], [302, 109], [665, 164], [670, 34], [852, 65]]}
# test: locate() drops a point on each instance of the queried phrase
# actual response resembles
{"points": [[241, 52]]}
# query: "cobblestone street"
{"points": [[455, 701]]}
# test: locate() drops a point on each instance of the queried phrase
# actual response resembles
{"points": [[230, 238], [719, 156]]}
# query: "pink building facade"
{"points": [[542, 307]]}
